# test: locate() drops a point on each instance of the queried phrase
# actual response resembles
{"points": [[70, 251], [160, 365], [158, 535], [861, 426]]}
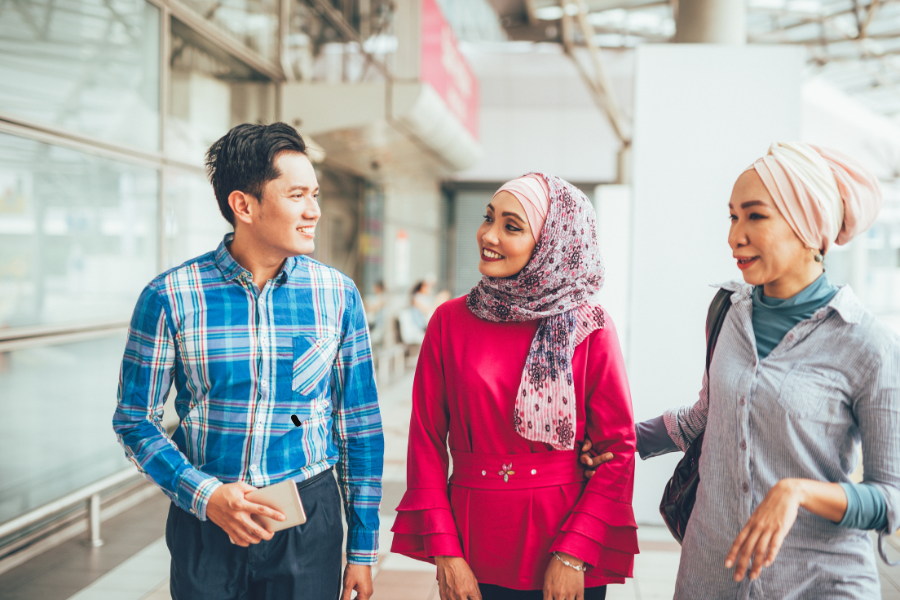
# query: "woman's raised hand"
{"points": [[592, 462], [562, 582], [456, 581]]}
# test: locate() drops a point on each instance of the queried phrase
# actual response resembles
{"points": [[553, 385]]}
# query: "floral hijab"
{"points": [[557, 286]]}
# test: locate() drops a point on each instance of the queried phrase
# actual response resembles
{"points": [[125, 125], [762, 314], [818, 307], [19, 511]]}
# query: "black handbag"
{"points": [[681, 490]]}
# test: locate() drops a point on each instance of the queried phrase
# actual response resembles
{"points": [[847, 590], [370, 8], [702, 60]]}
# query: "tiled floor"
{"points": [[134, 562]]}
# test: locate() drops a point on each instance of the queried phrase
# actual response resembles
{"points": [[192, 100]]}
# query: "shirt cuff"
{"points": [[653, 438], [362, 546], [194, 491]]}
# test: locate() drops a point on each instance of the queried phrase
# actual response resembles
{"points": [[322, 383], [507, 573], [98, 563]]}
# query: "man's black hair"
{"points": [[244, 160]]}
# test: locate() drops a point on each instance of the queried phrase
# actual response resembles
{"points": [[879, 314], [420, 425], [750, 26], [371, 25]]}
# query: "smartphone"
{"points": [[284, 498]]}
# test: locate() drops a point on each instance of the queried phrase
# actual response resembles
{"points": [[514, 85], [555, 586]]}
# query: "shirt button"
{"points": [[743, 445], [484, 472], [255, 468], [263, 383], [790, 337], [746, 488], [534, 471], [743, 401]]}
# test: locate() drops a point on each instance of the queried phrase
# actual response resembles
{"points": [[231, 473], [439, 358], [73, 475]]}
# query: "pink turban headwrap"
{"points": [[824, 195], [534, 195]]}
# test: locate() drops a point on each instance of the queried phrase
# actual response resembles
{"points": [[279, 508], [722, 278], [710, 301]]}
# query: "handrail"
{"points": [[81, 495], [58, 329]]}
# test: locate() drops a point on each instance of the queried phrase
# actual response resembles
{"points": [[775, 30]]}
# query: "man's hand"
{"points": [[228, 509], [456, 581], [359, 578], [562, 582], [592, 462]]}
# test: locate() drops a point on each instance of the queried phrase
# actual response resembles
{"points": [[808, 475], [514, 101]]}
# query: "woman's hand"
{"points": [[772, 520], [562, 582], [592, 462], [764, 533], [456, 581]]}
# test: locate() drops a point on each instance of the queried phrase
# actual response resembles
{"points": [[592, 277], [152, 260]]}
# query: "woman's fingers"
{"points": [[774, 547], [587, 445], [759, 556], [745, 553], [736, 546]]}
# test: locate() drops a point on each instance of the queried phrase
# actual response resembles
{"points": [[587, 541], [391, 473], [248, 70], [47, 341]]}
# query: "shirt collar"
{"points": [[232, 270], [229, 267], [847, 305], [739, 289], [845, 302]]}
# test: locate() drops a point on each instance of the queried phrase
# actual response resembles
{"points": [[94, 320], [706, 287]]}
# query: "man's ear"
{"points": [[243, 206]]}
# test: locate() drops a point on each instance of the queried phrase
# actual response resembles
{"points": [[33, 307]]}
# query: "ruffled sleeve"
{"points": [[601, 529], [425, 527]]}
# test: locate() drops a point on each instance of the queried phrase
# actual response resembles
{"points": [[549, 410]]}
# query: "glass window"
{"points": [[254, 23], [87, 65], [871, 262], [56, 435], [193, 224], [78, 234], [209, 93]]}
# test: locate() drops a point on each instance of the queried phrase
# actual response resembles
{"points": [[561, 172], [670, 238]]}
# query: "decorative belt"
{"points": [[516, 471]]}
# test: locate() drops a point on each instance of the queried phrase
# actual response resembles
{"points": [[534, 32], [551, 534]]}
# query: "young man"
{"points": [[252, 336]]}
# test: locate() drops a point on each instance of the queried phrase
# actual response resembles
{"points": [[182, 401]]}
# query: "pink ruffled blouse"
{"points": [[511, 502]]}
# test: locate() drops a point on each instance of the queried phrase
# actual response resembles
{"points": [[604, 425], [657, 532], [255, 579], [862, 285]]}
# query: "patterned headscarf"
{"points": [[557, 286]]}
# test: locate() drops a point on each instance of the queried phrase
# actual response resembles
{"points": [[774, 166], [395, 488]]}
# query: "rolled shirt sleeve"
{"points": [[877, 409], [866, 508]]}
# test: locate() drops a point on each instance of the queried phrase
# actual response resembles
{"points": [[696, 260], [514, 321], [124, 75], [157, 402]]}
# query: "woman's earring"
{"points": [[819, 258]]}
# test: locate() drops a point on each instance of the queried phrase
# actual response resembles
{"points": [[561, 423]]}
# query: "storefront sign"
{"points": [[445, 69]]}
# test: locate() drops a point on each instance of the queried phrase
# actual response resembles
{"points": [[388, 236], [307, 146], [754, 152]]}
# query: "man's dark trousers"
{"points": [[300, 563]]}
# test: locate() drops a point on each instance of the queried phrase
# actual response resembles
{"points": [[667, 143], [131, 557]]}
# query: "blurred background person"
{"points": [[375, 312]]}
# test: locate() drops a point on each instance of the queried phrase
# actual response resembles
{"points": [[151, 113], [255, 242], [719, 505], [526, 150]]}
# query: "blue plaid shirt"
{"points": [[243, 361]]}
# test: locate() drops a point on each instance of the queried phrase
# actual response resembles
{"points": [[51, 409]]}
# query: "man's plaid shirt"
{"points": [[243, 361]]}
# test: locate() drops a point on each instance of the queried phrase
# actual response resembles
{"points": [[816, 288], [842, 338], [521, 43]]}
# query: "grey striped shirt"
{"points": [[832, 383]]}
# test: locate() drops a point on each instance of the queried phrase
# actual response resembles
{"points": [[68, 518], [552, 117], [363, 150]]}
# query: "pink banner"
{"points": [[445, 69]]}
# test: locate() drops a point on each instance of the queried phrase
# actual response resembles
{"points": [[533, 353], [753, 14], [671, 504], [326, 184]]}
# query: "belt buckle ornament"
{"points": [[506, 472]]}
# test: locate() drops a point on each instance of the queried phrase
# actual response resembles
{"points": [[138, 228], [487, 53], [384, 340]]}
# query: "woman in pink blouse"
{"points": [[509, 378]]}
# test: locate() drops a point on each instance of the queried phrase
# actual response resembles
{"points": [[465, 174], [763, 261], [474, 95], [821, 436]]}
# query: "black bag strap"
{"points": [[715, 317]]}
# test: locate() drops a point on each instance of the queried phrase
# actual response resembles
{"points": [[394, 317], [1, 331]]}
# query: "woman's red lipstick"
{"points": [[490, 259], [746, 263]]}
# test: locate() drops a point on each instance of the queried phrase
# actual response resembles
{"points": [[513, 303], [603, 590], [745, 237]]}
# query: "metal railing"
{"points": [[89, 494]]}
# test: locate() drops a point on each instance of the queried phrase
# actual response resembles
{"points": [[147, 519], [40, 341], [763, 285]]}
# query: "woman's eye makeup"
{"points": [[513, 228]]}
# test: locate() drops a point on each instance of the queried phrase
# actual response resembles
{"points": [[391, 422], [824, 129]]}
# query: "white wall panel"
{"points": [[703, 113]]}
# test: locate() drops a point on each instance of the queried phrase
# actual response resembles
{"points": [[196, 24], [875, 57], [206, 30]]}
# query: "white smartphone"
{"points": [[284, 498]]}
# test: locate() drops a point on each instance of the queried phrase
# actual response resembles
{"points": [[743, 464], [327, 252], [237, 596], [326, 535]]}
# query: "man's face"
{"points": [[286, 218]]}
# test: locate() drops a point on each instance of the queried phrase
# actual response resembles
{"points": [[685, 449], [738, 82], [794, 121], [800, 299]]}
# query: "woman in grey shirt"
{"points": [[801, 375]]}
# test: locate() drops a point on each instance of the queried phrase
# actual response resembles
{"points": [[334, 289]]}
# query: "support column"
{"points": [[711, 22]]}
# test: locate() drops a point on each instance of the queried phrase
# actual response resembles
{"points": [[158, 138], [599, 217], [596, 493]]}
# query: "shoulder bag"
{"points": [[681, 490]]}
